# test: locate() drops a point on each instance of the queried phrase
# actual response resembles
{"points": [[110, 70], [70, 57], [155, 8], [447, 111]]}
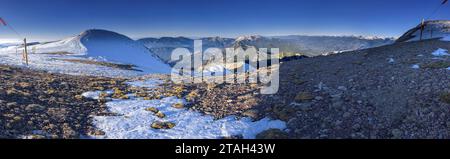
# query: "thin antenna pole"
{"points": [[437, 9], [17, 33]]}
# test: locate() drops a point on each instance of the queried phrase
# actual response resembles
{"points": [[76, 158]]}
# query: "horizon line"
{"points": [[16, 40]]}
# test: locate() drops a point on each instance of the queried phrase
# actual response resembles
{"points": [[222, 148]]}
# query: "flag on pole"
{"points": [[2, 22], [444, 2]]}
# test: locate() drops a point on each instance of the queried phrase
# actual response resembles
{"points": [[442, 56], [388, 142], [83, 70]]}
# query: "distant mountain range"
{"points": [[163, 47], [153, 54], [294, 44]]}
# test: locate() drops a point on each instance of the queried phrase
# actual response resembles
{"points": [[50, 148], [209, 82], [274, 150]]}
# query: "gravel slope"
{"points": [[36, 104], [371, 93]]}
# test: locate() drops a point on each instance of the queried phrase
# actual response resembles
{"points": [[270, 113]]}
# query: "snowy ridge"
{"points": [[110, 46], [92, 45], [433, 29], [70, 45]]}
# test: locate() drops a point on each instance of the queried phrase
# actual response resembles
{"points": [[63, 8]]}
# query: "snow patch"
{"points": [[446, 38], [134, 121], [215, 70], [151, 83], [220, 69], [416, 66], [391, 60], [95, 94], [56, 64], [440, 52]]}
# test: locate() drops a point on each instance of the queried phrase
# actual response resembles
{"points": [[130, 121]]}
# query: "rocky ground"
{"points": [[218, 100], [35, 104], [373, 93]]}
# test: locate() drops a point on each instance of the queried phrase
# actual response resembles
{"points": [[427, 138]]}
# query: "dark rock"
{"points": [[272, 134]]}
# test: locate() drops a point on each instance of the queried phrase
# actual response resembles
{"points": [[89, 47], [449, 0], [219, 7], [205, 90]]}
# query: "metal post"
{"points": [[431, 30], [422, 27], [25, 50]]}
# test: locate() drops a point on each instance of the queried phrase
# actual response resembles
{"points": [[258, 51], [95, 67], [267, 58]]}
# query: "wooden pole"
{"points": [[25, 50]]}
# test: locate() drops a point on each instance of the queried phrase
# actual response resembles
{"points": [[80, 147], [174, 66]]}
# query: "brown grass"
{"points": [[59, 53], [445, 97], [437, 65], [358, 62], [107, 64]]}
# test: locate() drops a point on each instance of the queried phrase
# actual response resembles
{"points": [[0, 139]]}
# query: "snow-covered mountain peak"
{"points": [[100, 34], [101, 45], [115, 47], [248, 38]]}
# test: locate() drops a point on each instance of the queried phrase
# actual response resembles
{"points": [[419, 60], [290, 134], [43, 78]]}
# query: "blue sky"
{"points": [[55, 19]]}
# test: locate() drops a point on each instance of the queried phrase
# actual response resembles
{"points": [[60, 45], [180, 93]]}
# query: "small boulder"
{"points": [[152, 109], [303, 97], [252, 113], [396, 133], [11, 104], [32, 107], [79, 97], [160, 114], [178, 105], [162, 125], [445, 97], [342, 88], [285, 113]]}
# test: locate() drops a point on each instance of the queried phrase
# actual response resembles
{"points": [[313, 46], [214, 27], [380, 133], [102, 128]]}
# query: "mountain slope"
{"points": [[432, 29], [119, 48], [371, 93], [163, 47], [101, 45]]}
